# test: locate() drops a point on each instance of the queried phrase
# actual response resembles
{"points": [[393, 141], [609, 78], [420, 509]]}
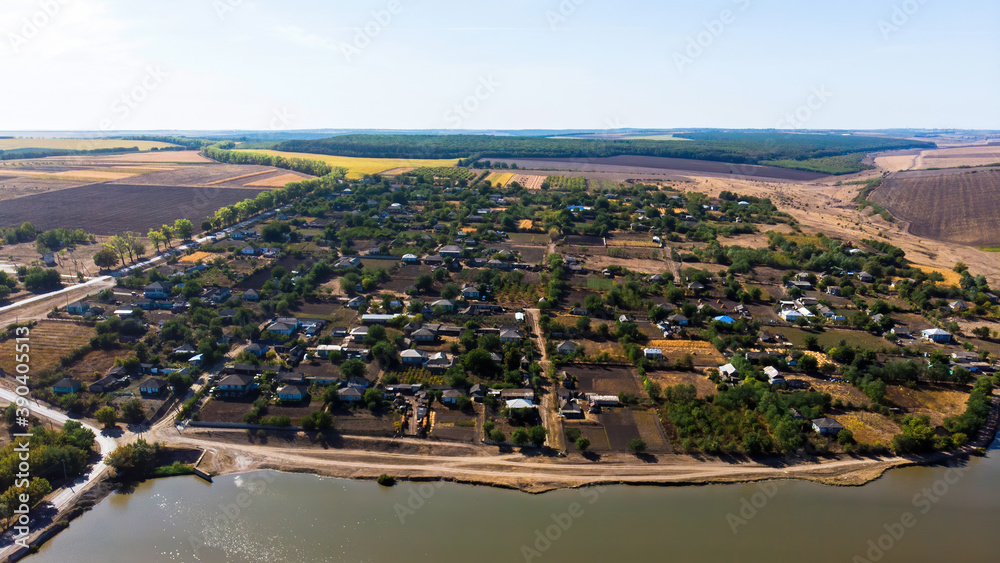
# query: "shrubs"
{"points": [[385, 480]]}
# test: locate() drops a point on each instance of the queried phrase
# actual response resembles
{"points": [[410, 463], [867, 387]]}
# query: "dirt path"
{"points": [[37, 308], [549, 409]]}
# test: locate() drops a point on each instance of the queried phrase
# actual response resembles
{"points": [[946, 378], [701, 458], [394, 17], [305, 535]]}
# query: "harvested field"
{"points": [[956, 206], [951, 277], [78, 144], [225, 410], [584, 240], [94, 364], [236, 178], [213, 175], [659, 165], [277, 181], [702, 384], [959, 156], [869, 428], [193, 258], [529, 181], [500, 179], [605, 380], [846, 392], [107, 209], [50, 340], [620, 426], [360, 167], [936, 401], [701, 351]]}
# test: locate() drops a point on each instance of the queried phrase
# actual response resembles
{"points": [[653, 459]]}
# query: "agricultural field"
{"points": [[106, 209], [50, 340], [869, 428], [701, 351], [529, 181], [225, 410], [500, 179], [360, 167], [702, 384], [605, 380], [959, 156], [566, 183], [78, 144], [936, 401], [956, 206]]}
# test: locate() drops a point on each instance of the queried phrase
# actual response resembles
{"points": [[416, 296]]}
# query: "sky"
{"points": [[511, 64]]}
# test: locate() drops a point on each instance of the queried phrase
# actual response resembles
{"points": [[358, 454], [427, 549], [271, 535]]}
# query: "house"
{"points": [[729, 371], [412, 357], [510, 394], [478, 392], [217, 294], [411, 259], [696, 286], [257, 349], [450, 396], [423, 335], [445, 304], [470, 291], [773, 375], [725, 319], [347, 262], [357, 302], [281, 328], [292, 393], [833, 290], [567, 347], [790, 315], [105, 384], [520, 404], [958, 305], [251, 295], [993, 298], [657, 278], [439, 361], [153, 386], [235, 385], [866, 277], [185, 351], [250, 250], [936, 335], [49, 259], [350, 394], [510, 334], [678, 319], [902, 331], [570, 409], [827, 426], [156, 290], [450, 251], [77, 308], [66, 385], [378, 319], [803, 285], [653, 353], [144, 304]]}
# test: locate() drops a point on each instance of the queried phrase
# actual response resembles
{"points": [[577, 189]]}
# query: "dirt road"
{"points": [[38, 307], [549, 409]]}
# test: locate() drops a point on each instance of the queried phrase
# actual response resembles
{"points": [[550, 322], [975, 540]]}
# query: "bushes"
{"points": [[976, 411]]}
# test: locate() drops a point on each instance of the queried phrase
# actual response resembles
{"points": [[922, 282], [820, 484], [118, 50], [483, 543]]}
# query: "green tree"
{"points": [[636, 445], [107, 416], [106, 258], [537, 435], [520, 436], [134, 461], [133, 411], [353, 368], [184, 228], [582, 443]]}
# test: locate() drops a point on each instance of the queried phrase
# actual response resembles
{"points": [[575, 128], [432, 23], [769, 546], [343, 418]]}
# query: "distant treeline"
{"points": [[42, 153], [221, 153], [721, 146], [184, 142]]}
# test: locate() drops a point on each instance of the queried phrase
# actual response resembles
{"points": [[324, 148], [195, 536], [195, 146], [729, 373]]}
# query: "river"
{"points": [[944, 513]]}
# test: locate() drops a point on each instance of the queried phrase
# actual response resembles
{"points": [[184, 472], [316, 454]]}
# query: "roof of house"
{"points": [[153, 383], [67, 382], [827, 423], [236, 380], [351, 391], [292, 390]]}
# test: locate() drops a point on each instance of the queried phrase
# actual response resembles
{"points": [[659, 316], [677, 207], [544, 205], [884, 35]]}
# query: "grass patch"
{"points": [[172, 470], [834, 165], [601, 284]]}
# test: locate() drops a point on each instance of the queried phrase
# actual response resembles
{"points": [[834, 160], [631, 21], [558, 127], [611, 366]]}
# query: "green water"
{"points": [[938, 514]]}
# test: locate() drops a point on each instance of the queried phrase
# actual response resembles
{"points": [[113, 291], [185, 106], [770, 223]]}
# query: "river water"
{"points": [[945, 513]]}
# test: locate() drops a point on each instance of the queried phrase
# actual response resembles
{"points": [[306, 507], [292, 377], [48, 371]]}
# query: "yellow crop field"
{"points": [[699, 349], [194, 257], [78, 144], [633, 243], [359, 167], [500, 178], [951, 277]]}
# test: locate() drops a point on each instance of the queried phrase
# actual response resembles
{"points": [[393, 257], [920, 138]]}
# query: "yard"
{"points": [[49, 341], [936, 401], [869, 428], [605, 380]]}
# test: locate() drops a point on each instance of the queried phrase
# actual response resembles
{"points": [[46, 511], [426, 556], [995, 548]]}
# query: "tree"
{"points": [[184, 228], [133, 411], [424, 282], [373, 398], [636, 445], [156, 237], [520, 436], [317, 420], [537, 435], [168, 233], [107, 416], [106, 258], [582, 443], [353, 368], [134, 461]]}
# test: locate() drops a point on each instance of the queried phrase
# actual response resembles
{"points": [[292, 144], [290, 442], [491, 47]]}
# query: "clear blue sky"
{"points": [[257, 64]]}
